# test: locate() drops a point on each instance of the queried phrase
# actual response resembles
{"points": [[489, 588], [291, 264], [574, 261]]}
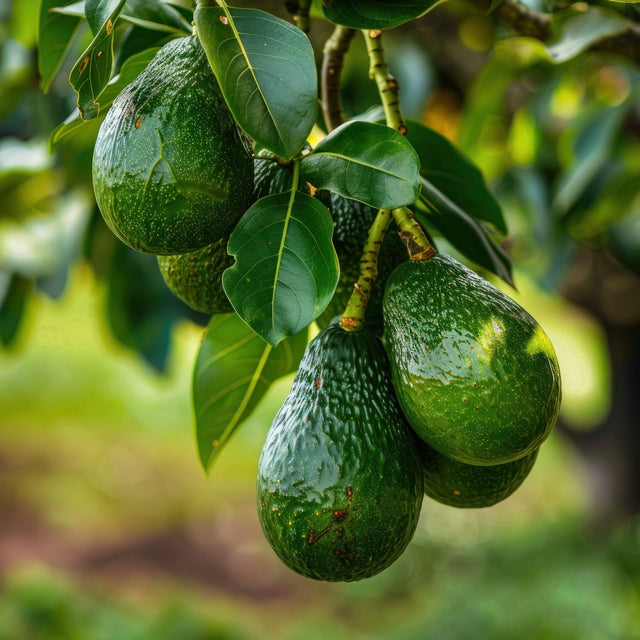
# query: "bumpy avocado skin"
{"points": [[462, 485], [352, 222], [476, 376], [339, 481], [171, 171], [196, 277]]}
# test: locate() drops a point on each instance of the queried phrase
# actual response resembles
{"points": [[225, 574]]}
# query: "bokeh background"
{"points": [[109, 529]]}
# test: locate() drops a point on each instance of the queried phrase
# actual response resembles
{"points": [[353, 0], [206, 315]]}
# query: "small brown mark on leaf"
{"points": [[83, 64], [109, 27], [100, 54], [375, 33], [456, 492], [138, 122], [224, 19], [319, 383]]}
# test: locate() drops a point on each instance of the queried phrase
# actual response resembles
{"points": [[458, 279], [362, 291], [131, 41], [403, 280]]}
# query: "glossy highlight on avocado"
{"points": [[171, 171], [476, 376], [339, 484]]}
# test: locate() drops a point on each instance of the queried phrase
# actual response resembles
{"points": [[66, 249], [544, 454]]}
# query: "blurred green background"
{"points": [[110, 530]]}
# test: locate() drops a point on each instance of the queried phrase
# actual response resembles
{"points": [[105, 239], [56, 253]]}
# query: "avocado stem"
{"points": [[335, 49], [387, 85], [411, 232], [353, 317]]}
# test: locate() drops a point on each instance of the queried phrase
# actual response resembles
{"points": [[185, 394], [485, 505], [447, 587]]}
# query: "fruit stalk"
{"points": [[411, 232], [387, 85], [335, 50], [353, 317]]}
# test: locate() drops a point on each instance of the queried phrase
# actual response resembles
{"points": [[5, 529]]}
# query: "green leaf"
{"points": [[455, 176], [575, 31], [368, 162], [98, 12], [266, 70], [466, 234], [128, 73], [232, 373], [92, 72], [56, 32], [375, 14], [155, 15], [286, 268]]}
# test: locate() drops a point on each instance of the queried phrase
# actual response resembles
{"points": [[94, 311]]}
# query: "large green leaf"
{"points": [[233, 371], [128, 73], [452, 174], [286, 268], [375, 14], [56, 32], [92, 72], [266, 70], [466, 234], [368, 162]]}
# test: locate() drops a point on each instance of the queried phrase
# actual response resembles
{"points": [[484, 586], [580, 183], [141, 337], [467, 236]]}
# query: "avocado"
{"points": [[353, 220], [196, 277], [171, 171], [476, 376], [339, 481], [462, 485]]}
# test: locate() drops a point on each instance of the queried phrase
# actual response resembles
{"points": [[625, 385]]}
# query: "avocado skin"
{"points": [[465, 486], [339, 481], [352, 222], [171, 171], [474, 373], [196, 277]]}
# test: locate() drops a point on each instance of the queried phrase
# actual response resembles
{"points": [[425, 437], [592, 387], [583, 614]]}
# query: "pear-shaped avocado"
{"points": [[171, 171], [462, 485], [196, 277], [353, 220], [476, 376], [339, 481]]}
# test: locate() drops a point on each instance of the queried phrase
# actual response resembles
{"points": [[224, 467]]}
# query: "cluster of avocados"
{"points": [[453, 402], [448, 390]]}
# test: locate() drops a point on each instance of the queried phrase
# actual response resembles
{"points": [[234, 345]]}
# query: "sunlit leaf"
{"points": [[233, 371], [368, 162], [286, 268], [266, 70]]}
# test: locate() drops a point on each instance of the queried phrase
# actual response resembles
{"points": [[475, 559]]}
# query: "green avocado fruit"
{"points": [[352, 222], [172, 173], [462, 485], [476, 376], [196, 277], [339, 484]]}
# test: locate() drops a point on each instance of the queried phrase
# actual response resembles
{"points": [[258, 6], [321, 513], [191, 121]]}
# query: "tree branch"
{"points": [[335, 50], [538, 25]]}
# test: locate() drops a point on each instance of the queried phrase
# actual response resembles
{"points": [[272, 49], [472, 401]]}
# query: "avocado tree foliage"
{"points": [[287, 101]]}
